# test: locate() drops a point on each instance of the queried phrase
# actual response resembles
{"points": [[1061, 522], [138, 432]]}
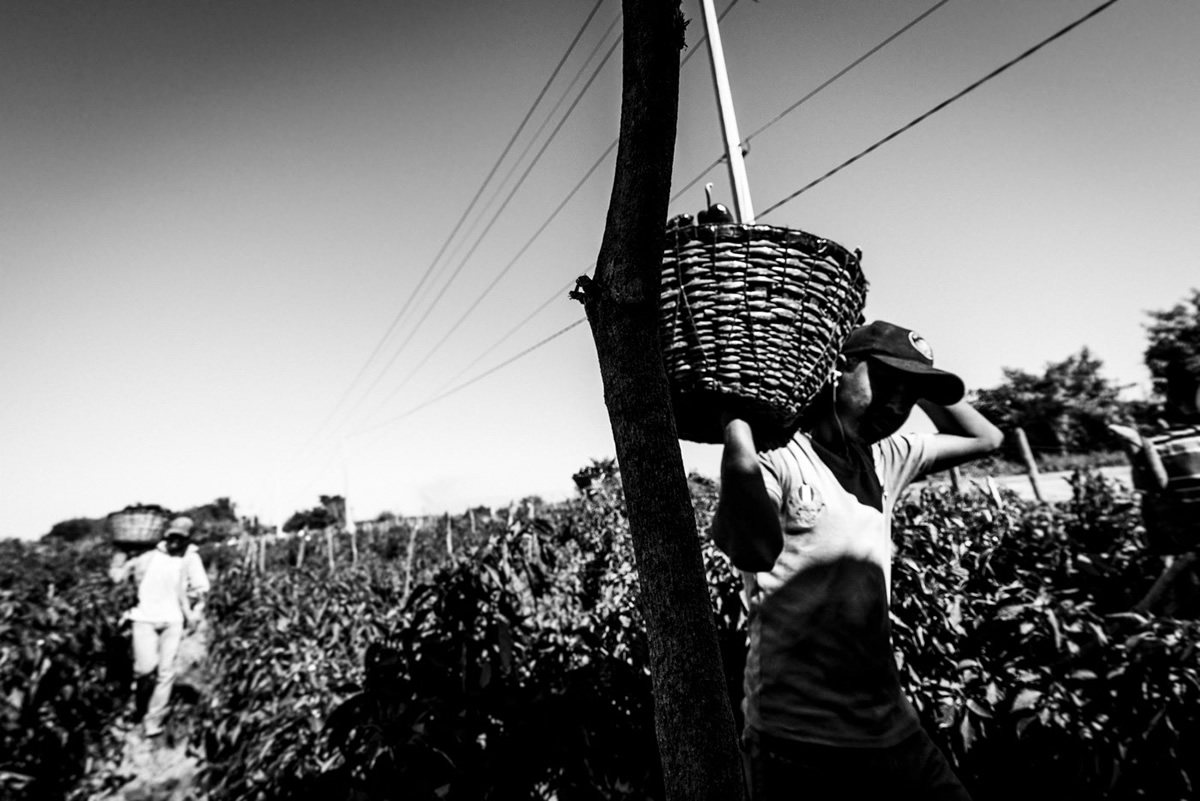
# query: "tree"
{"points": [[1174, 341], [335, 505], [215, 521], [297, 522], [694, 721], [1066, 409], [316, 518], [77, 529]]}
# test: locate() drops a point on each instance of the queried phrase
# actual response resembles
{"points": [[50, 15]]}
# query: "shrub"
{"points": [[65, 669], [1013, 633]]}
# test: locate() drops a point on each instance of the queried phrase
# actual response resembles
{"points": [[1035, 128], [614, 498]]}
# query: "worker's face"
{"points": [[176, 545], [874, 399]]}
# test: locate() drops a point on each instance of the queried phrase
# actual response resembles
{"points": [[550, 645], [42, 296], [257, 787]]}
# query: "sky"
{"points": [[230, 267]]}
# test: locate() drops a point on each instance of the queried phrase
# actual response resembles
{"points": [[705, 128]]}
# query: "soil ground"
{"points": [[161, 768]]}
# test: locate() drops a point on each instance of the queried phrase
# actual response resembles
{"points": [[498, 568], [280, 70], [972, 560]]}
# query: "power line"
{"points": [[558, 293], [488, 227], [697, 179], [704, 39], [846, 69], [941, 105], [544, 225], [746, 141], [458, 323], [487, 290], [691, 52], [519, 160], [441, 393], [471, 381], [475, 199]]}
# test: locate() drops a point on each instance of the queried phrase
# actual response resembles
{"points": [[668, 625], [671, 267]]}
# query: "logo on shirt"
{"points": [[805, 505]]}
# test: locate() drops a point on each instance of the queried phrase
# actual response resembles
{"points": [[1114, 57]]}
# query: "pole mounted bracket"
{"points": [[584, 289]]}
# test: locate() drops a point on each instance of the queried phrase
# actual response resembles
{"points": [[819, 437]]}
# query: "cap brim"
{"points": [[937, 385]]}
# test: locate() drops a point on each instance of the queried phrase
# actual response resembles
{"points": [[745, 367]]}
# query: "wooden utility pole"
{"points": [[694, 721]]}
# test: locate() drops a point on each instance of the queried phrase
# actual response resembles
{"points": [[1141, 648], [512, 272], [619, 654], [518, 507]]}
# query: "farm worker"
{"points": [[171, 587], [1166, 469], [809, 527]]}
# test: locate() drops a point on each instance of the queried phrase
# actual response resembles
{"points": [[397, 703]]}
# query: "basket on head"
{"points": [[138, 526], [751, 320]]}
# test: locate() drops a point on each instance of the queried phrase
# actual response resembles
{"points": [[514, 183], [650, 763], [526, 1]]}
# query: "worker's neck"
{"points": [[834, 432]]}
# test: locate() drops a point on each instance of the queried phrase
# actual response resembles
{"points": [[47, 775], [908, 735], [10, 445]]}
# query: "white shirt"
{"points": [[164, 582]]}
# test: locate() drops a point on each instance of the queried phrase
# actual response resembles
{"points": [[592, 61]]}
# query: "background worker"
{"points": [[1166, 470], [809, 526], [171, 588]]}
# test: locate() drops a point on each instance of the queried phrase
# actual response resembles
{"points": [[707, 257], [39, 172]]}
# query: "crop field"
{"points": [[502, 656]]}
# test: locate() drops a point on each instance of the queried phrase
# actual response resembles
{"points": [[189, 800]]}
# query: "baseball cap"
{"points": [[907, 351], [180, 527]]}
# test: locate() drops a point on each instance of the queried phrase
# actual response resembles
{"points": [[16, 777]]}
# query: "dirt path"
{"points": [[1055, 486], [159, 771], [161, 768]]}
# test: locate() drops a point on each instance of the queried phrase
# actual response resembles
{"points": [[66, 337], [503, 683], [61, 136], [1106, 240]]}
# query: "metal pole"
{"points": [[742, 206]]}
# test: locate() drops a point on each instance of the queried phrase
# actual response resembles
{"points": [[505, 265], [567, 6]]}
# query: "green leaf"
{"points": [[978, 708], [1026, 699], [967, 730]]}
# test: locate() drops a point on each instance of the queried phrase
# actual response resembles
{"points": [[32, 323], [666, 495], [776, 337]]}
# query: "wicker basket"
{"points": [[137, 526], [751, 319]]}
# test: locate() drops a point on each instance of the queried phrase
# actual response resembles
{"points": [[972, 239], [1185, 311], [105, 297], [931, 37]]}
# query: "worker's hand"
{"points": [[117, 570]]}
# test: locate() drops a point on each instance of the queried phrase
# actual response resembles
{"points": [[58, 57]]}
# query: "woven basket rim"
{"points": [[733, 232]]}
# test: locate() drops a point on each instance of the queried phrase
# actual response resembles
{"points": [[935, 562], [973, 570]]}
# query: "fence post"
{"points": [[995, 492], [302, 535], [955, 480], [449, 538], [413, 529], [262, 553], [1030, 464], [329, 547]]}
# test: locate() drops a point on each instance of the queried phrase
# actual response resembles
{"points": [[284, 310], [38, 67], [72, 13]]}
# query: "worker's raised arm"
{"points": [[746, 522], [963, 434]]}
